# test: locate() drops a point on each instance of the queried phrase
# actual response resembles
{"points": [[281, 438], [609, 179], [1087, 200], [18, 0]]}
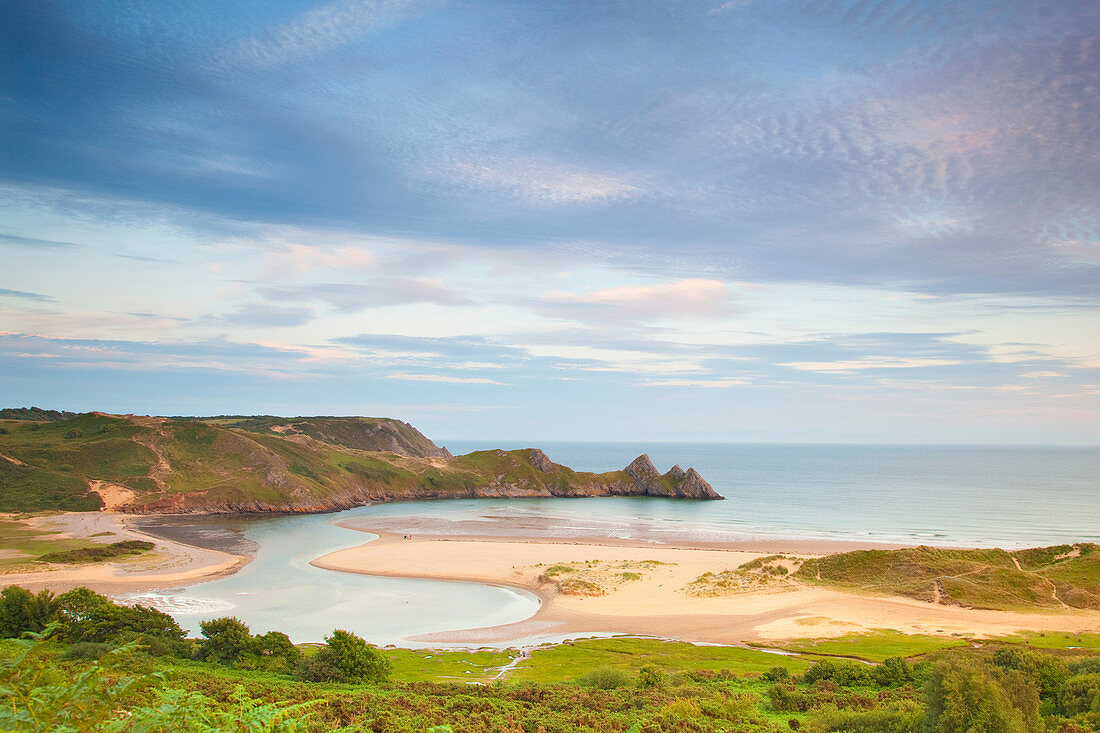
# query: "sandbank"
{"points": [[170, 564], [657, 603]]}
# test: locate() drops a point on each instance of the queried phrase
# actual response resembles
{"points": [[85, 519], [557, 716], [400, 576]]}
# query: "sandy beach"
{"points": [[170, 564], [656, 601]]}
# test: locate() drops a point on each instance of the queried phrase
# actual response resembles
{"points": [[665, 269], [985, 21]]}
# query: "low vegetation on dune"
{"points": [[99, 553], [86, 664], [762, 572], [597, 577], [1059, 577]]}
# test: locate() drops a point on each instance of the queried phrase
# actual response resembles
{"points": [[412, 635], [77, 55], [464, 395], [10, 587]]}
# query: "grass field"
{"points": [[874, 646], [1053, 640], [25, 544], [571, 661], [436, 665]]}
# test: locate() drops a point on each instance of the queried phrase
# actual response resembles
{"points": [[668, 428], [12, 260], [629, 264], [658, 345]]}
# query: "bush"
{"points": [[776, 674], [894, 672], [22, 611], [788, 698], [227, 640], [963, 696], [355, 658], [845, 674], [99, 553], [87, 650], [84, 615], [607, 678], [319, 667], [649, 676]]}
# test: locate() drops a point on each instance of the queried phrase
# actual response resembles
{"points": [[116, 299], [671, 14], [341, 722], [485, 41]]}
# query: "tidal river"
{"points": [[280, 591]]}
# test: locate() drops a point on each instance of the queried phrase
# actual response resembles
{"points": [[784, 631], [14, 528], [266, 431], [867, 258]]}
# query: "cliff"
{"points": [[267, 464]]}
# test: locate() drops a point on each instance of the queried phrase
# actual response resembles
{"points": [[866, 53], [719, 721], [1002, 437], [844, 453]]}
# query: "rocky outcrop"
{"points": [[676, 483], [540, 461]]}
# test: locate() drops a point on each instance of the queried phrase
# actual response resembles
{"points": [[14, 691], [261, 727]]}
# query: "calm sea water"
{"points": [[971, 496], [968, 496]]}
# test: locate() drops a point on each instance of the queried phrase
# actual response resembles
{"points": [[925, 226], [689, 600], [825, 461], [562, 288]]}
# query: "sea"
{"points": [[950, 496]]}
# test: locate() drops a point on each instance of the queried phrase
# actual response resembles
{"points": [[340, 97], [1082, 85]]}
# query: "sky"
{"points": [[728, 221]]}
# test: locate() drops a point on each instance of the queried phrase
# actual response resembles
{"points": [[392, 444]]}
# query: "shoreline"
{"points": [[170, 564], [652, 608]]}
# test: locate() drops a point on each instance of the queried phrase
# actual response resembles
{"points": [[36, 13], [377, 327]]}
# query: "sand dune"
{"points": [[657, 603]]}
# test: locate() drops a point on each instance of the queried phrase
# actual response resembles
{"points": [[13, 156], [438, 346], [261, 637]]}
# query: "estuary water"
{"points": [[952, 496]]}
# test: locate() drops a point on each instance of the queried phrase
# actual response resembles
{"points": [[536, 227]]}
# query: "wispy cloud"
{"points": [[38, 297], [316, 31], [443, 378], [542, 182], [694, 298]]}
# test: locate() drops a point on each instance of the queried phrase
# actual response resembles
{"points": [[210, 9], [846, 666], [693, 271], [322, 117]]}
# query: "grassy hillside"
{"points": [[34, 413], [362, 433], [230, 464], [1064, 576]]}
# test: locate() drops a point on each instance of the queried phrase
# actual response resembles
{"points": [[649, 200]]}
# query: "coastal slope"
{"points": [[233, 464]]}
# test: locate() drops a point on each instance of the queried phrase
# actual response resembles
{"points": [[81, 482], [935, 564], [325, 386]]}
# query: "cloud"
{"points": [[705, 383], [682, 299], [878, 362], [376, 292], [541, 182], [265, 316], [316, 31], [14, 241], [443, 378], [4, 292], [292, 259]]}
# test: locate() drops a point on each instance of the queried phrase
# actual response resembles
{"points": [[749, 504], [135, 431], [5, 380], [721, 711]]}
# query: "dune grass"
{"points": [[1064, 576]]}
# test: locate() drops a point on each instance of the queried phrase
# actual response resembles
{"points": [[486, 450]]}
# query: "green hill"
{"points": [[267, 464], [1063, 576]]}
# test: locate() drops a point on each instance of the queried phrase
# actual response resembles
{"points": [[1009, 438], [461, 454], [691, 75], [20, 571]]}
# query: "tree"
{"points": [[355, 658], [227, 640], [22, 611], [88, 616], [963, 697]]}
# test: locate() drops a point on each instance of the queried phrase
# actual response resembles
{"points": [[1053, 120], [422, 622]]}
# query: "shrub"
{"points": [[607, 678], [1080, 694], [358, 660], [99, 553], [227, 639], [319, 667], [842, 673], [894, 672], [84, 615], [776, 674], [649, 676], [788, 698], [962, 696], [87, 650], [22, 611]]}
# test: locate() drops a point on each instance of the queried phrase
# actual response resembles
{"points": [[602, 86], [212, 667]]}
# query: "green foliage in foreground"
{"points": [[107, 668]]}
